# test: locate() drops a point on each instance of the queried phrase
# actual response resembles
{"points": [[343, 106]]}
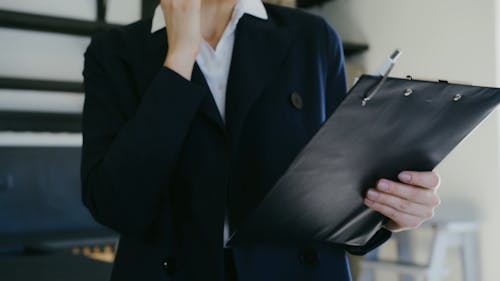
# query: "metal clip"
{"points": [[408, 92], [374, 91], [457, 97]]}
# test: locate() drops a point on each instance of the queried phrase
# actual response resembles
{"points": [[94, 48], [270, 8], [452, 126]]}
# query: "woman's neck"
{"points": [[215, 16]]}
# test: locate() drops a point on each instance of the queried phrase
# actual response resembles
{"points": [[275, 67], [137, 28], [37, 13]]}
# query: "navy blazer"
{"points": [[159, 164]]}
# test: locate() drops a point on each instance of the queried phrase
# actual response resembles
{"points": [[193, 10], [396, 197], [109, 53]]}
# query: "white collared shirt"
{"points": [[215, 64]]}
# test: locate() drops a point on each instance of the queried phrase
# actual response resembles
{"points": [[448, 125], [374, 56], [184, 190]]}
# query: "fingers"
{"points": [[400, 219], [400, 204], [183, 23], [181, 5], [407, 203], [429, 180], [411, 193]]}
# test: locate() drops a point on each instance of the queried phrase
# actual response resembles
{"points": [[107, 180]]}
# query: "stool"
{"points": [[447, 234]]}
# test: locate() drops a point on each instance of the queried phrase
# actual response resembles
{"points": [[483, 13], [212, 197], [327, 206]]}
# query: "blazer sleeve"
{"points": [[128, 161], [336, 90]]}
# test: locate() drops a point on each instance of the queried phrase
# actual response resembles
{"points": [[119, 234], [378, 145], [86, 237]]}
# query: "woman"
{"points": [[183, 139]]}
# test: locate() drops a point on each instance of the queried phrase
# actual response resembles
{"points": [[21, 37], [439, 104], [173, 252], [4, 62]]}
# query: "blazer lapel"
{"points": [[208, 106], [260, 48]]}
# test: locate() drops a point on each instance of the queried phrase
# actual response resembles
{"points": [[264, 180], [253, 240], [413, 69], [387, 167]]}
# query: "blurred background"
{"points": [[45, 232]]}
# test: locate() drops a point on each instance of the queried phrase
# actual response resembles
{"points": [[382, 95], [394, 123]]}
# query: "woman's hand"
{"points": [[408, 203], [182, 19]]}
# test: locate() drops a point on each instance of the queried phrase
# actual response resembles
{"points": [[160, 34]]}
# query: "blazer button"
{"points": [[309, 257], [296, 100], [169, 265]]}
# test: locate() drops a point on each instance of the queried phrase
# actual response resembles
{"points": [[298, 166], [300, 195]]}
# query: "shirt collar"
{"points": [[252, 7]]}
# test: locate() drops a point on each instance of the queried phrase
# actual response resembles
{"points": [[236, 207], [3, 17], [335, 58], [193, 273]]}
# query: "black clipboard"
{"points": [[383, 126]]}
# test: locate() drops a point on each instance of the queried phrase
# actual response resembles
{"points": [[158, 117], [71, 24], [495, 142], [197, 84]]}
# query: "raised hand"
{"points": [[182, 19], [408, 203]]}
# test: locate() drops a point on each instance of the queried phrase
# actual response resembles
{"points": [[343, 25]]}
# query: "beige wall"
{"points": [[441, 39]]}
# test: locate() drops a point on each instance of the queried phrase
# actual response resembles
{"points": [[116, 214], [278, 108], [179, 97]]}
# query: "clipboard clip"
{"points": [[384, 72]]}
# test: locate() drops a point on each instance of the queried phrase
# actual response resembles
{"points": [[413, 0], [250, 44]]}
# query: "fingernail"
{"points": [[404, 177], [383, 185], [372, 193], [368, 202]]}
